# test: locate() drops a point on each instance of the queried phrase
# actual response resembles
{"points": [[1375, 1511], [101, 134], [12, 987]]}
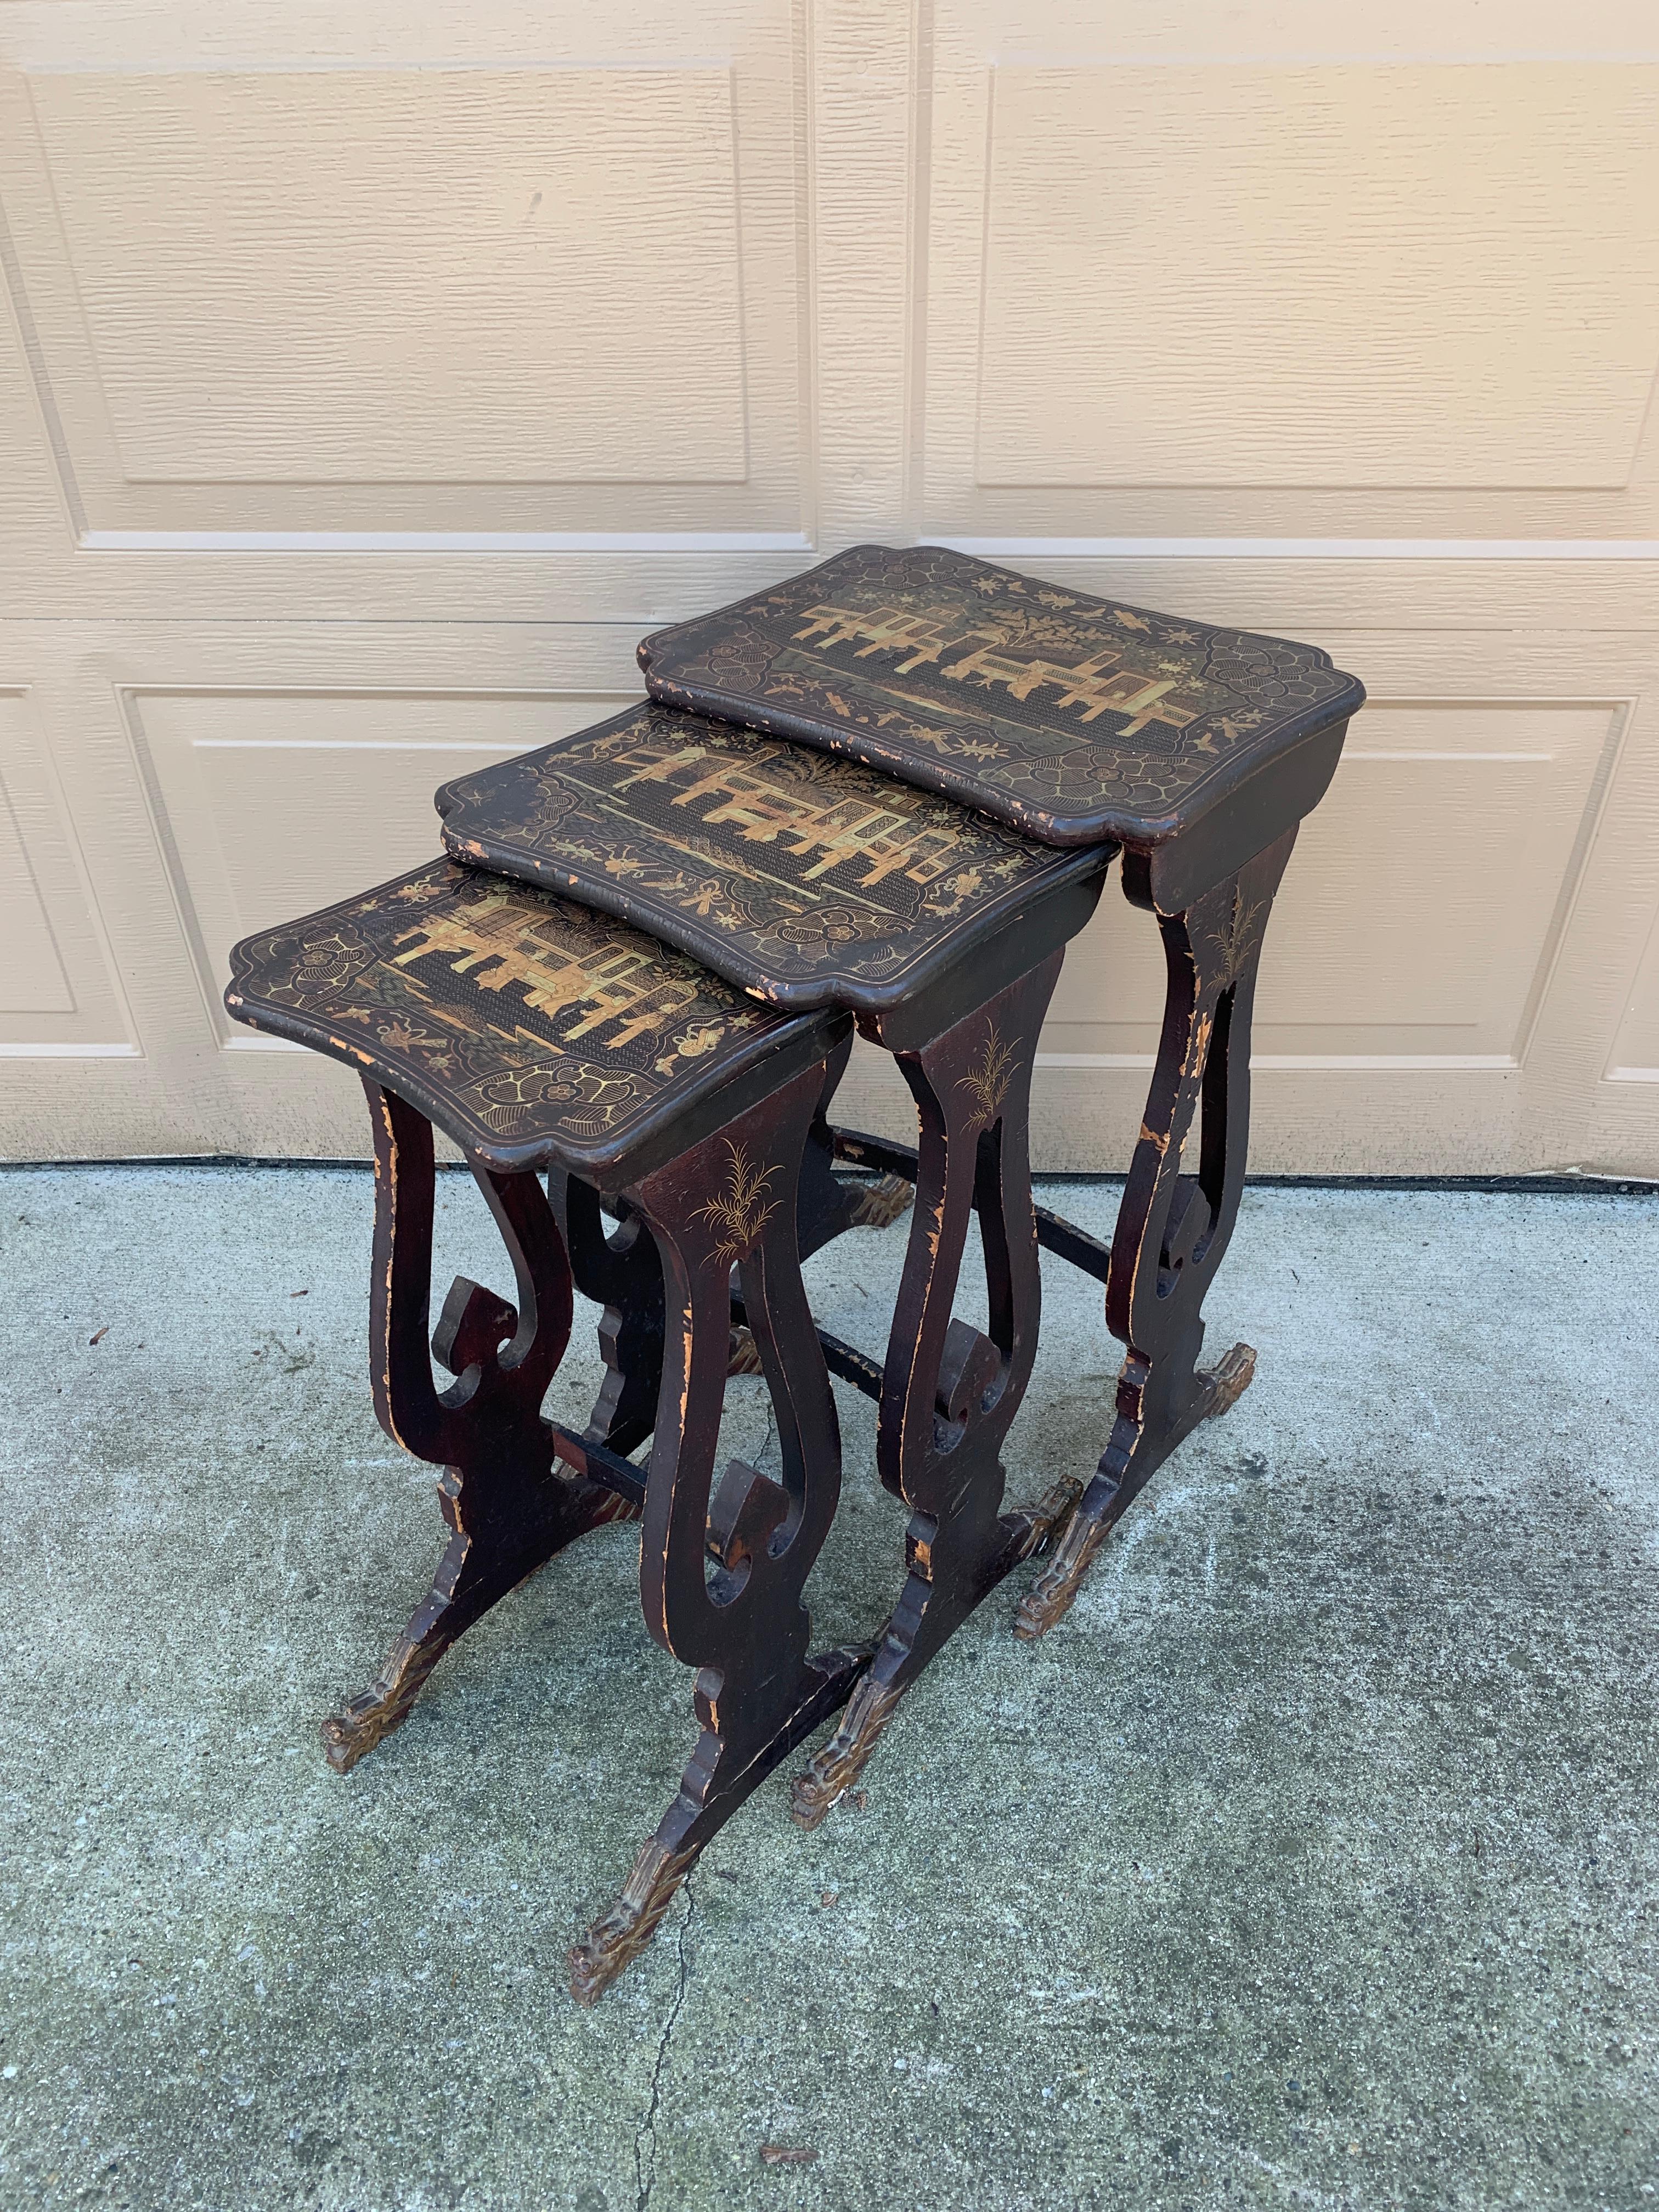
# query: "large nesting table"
{"points": [[886, 793]]}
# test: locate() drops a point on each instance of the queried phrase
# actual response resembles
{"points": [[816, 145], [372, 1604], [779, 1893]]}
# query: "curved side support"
{"points": [[1174, 1228], [400, 1287], [722, 1569], [619, 1268], [950, 1393], [506, 1508]]}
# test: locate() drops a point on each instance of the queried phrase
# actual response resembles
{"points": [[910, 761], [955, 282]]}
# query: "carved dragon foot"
{"points": [[1228, 1382], [1045, 1520], [744, 1358], [881, 1202], [873, 1703], [621, 1934], [1049, 1598], [362, 1721], [844, 1757]]}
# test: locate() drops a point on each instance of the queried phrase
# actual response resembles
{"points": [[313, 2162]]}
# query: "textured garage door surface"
{"points": [[371, 379]]}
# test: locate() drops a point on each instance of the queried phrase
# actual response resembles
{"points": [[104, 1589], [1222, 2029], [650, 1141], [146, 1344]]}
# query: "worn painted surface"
{"points": [[810, 881], [1310, 1860], [531, 1029], [1071, 718]]}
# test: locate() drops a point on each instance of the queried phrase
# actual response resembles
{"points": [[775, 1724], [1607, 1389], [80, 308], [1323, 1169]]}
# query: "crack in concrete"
{"points": [[642, 2185]]}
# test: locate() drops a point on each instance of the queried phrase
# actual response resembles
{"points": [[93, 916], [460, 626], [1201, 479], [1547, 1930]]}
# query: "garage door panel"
{"points": [[303, 292], [1635, 1055], [1419, 908], [58, 994], [1623, 1124], [369, 277], [1329, 291], [1423, 901], [35, 982], [1331, 276]]}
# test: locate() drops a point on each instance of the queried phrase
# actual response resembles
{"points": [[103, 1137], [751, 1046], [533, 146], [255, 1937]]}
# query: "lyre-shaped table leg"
{"points": [[508, 1510], [950, 1393], [722, 1570], [619, 1268], [1173, 1228]]}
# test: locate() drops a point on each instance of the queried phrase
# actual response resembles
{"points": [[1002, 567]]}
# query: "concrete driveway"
{"points": [[1311, 1861]]}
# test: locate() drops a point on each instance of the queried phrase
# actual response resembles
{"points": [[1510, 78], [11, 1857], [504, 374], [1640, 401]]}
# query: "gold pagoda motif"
{"points": [[765, 809], [887, 629], [616, 981], [1095, 682]]}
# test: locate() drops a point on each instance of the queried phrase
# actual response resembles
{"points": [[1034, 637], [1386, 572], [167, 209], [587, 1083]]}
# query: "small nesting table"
{"points": [[887, 793]]}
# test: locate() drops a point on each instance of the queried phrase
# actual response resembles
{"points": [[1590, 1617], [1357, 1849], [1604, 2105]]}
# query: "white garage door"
{"points": [[371, 378]]}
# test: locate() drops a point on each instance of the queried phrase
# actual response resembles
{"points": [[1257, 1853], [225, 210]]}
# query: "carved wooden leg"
{"points": [[619, 1270], [828, 1204], [721, 1578], [1173, 1228], [948, 1392], [508, 1510]]}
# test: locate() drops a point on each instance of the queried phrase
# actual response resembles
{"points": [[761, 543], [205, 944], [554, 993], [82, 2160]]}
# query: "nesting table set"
{"points": [[885, 793]]}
